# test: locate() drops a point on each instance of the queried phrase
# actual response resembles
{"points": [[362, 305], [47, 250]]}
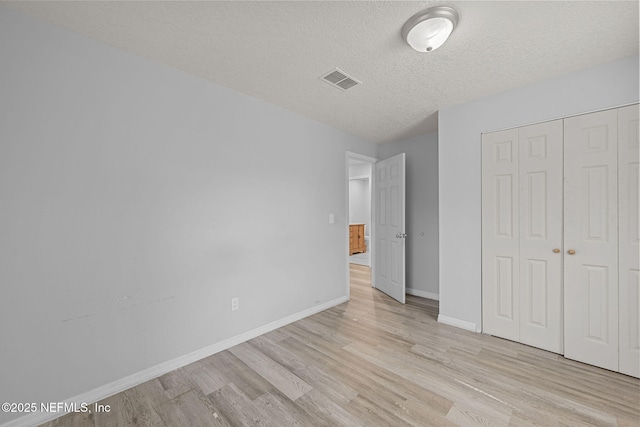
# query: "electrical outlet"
{"points": [[234, 303]]}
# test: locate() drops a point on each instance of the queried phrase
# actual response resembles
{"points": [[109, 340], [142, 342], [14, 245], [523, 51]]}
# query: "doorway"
{"points": [[359, 217], [387, 233], [359, 182]]}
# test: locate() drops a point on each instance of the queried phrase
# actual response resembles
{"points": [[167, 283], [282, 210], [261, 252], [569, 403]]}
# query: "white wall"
{"points": [[460, 129], [360, 171], [360, 203], [360, 195], [136, 201], [421, 210]]}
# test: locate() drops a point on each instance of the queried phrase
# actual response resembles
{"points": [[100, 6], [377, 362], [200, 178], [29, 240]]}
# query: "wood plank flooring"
{"points": [[375, 362]]}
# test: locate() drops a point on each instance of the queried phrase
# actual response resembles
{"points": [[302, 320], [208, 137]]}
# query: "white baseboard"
{"points": [[462, 324], [102, 392], [422, 294]]}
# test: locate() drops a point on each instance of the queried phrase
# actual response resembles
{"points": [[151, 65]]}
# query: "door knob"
{"points": [[556, 251], [571, 252]]}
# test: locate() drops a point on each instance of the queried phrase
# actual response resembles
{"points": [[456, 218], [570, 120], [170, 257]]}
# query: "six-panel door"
{"points": [[500, 235], [591, 239], [389, 223], [540, 170]]}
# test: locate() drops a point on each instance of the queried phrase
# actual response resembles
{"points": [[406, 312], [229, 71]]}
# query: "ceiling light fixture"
{"points": [[429, 29]]}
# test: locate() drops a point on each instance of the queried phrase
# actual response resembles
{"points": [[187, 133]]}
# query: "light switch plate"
{"points": [[332, 218]]}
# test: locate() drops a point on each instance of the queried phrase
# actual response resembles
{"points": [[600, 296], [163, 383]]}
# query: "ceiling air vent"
{"points": [[340, 79]]}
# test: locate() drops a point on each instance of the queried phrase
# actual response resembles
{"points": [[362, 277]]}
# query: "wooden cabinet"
{"points": [[356, 239]]}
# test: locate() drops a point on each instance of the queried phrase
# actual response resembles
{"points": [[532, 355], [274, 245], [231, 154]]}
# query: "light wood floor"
{"points": [[374, 362]]}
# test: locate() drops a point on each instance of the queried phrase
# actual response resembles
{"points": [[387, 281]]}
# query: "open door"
{"points": [[389, 232]]}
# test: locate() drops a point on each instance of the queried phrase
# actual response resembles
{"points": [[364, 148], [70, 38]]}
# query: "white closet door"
{"points": [[500, 234], [591, 239], [541, 235], [629, 235]]}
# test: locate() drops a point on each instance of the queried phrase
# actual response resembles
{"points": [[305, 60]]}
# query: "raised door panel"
{"points": [[591, 239], [629, 238], [540, 176], [500, 234]]}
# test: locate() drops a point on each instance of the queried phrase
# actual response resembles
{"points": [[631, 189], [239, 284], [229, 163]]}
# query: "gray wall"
{"points": [[136, 201], [421, 210], [360, 203], [359, 171], [460, 129]]}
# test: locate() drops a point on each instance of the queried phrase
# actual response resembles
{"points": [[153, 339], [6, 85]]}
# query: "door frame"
{"points": [[372, 161]]}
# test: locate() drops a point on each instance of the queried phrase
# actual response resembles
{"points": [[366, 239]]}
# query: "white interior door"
{"points": [[540, 176], [522, 234], [629, 236], [591, 239], [389, 185], [500, 235]]}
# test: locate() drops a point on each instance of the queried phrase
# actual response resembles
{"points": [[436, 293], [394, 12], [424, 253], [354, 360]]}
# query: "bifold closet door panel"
{"points": [[629, 237], [500, 234], [591, 239], [540, 148]]}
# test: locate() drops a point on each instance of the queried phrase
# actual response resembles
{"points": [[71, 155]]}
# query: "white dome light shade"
{"points": [[428, 30], [430, 34]]}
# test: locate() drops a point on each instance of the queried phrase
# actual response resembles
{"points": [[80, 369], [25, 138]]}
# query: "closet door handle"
{"points": [[571, 252], [556, 251]]}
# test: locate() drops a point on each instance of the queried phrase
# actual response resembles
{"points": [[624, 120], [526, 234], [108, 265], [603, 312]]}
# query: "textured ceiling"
{"points": [[277, 51]]}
